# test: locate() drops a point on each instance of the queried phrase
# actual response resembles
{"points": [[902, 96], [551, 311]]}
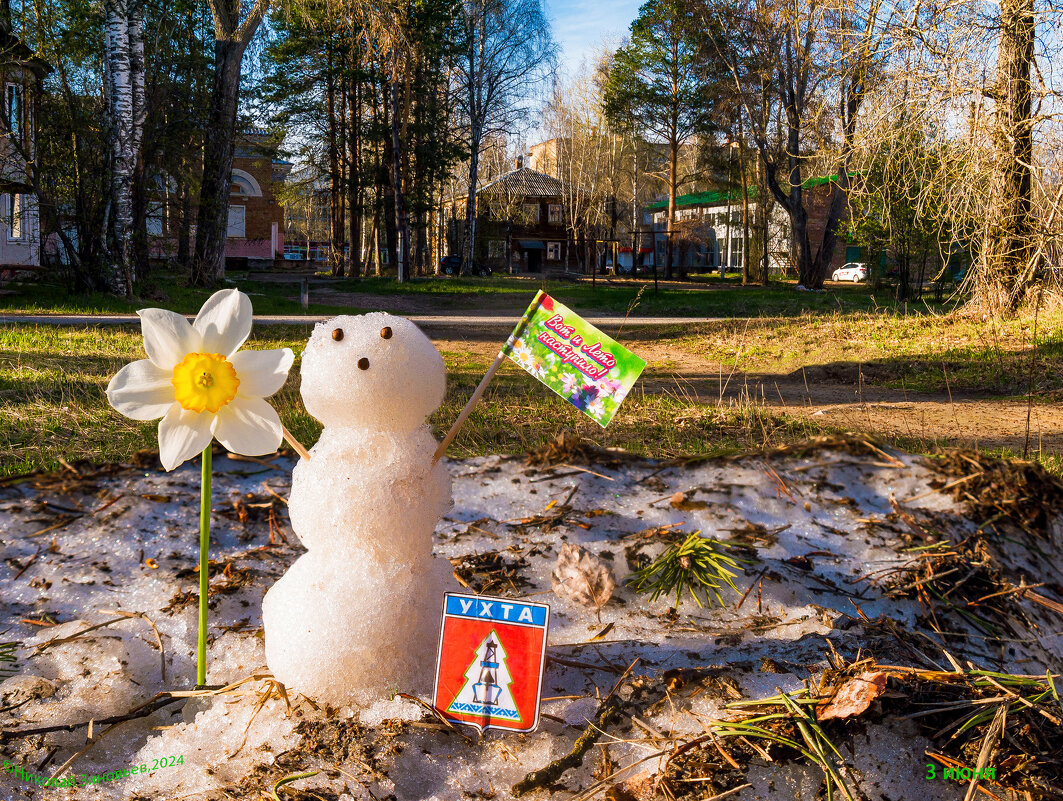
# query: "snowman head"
{"points": [[371, 371]]}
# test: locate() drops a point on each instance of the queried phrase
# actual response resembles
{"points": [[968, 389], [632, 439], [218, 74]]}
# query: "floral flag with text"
{"points": [[590, 370]]}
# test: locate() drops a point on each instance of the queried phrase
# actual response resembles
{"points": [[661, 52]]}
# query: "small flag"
{"points": [[489, 667], [577, 361]]}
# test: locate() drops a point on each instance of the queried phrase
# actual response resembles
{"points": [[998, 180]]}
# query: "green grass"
{"points": [[52, 380], [704, 296], [159, 290], [697, 298], [53, 405]]}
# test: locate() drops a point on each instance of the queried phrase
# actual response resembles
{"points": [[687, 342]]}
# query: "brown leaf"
{"points": [[854, 696], [582, 577]]}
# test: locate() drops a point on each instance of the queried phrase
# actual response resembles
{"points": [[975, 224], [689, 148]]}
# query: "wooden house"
{"points": [[521, 225], [21, 72]]}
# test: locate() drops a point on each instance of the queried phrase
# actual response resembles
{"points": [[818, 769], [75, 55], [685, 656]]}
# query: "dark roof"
{"points": [[14, 51], [526, 182]]}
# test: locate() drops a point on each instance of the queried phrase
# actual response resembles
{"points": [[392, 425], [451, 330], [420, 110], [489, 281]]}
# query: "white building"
{"points": [[709, 232]]}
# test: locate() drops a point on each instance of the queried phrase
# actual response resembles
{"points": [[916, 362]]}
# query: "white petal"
{"points": [[262, 372], [249, 426], [168, 337], [183, 434], [141, 390], [224, 321]]}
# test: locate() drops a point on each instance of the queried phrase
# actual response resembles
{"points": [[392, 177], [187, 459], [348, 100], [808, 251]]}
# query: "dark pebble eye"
{"points": [[337, 334], [385, 332], [363, 363]]}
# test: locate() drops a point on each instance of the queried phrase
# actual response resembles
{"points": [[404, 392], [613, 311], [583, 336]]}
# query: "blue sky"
{"points": [[580, 27]]}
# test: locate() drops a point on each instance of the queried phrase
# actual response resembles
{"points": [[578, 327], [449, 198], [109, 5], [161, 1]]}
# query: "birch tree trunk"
{"points": [[468, 245], [474, 56], [124, 104], [402, 217], [354, 172], [335, 123]]}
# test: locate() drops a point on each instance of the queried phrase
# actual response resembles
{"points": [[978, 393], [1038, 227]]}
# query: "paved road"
{"points": [[430, 320]]}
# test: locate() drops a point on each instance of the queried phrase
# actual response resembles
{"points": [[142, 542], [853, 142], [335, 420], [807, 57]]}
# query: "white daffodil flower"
{"points": [[201, 387]]}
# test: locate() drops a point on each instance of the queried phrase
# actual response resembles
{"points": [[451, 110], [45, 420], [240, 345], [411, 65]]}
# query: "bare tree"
{"points": [[987, 169], [1009, 243], [802, 67], [506, 53], [593, 161], [232, 36]]}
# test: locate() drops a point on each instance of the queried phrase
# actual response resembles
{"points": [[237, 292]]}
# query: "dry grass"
{"points": [[919, 352], [53, 406], [52, 380]]}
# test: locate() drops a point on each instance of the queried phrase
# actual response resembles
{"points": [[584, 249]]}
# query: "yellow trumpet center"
{"points": [[204, 382]]}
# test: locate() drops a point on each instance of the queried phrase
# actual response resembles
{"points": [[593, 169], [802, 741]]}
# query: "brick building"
{"points": [[255, 235], [817, 195]]}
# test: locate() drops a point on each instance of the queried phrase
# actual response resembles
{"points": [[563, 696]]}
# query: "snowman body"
{"points": [[357, 617]]}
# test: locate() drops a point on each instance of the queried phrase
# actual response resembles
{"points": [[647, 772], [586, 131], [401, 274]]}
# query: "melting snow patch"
{"points": [[817, 525]]}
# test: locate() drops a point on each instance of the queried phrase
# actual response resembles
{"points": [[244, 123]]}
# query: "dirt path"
{"points": [[959, 419]]}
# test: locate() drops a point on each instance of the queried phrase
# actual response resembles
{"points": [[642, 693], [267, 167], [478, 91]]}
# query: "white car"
{"points": [[854, 271]]}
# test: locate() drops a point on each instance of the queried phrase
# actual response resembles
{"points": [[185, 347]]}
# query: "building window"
{"points": [[553, 251], [555, 214], [531, 211], [237, 215], [496, 248], [244, 184], [736, 253], [155, 219], [13, 110], [15, 229]]}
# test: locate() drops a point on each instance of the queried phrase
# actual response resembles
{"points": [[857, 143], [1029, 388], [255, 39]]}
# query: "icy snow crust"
{"points": [[832, 505]]}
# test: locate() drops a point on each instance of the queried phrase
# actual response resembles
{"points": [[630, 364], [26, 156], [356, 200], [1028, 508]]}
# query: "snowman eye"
{"points": [[385, 332], [337, 334], [363, 363]]}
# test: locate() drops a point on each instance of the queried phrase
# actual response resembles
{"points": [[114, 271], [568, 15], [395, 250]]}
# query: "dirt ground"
{"points": [[839, 398]]}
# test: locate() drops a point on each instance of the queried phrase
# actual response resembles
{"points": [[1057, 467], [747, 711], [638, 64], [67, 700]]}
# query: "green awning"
{"points": [[531, 244]]}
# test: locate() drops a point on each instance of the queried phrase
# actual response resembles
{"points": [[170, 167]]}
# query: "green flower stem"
{"points": [[204, 567]]}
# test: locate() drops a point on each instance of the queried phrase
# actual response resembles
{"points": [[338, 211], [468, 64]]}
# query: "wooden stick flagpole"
{"points": [[296, 445], [521, 324]]}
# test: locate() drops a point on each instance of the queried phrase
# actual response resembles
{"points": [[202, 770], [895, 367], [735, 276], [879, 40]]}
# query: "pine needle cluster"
{"points": [[698, 565]]}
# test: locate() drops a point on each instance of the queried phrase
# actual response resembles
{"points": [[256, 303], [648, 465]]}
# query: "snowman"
{"points": [[356, 617]]}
